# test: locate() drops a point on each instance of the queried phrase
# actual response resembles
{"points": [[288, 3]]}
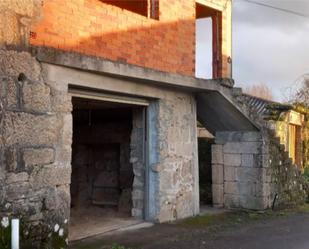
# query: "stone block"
{"points": [[50, 176], [13, 63], [224, 137], [230, 174], [239, 188], [137, 194], [251, 136], [19, 177], [10, 159], [60, 101], [217, 154], [217, 174], [125, 201], [35, 157], [36, 97], [231, 188], [248, 160], [248, 174], [137, 213], [28, 129], [51, 200], [12, 90], [18, 190], [262, 189], [232, 160], [232, 148], [217, 194], [253, 203], [251, 147], [231, 201]]}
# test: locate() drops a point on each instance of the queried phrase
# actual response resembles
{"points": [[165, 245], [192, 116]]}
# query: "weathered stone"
{"points": [[10, 157], [12, 98], [217, 174], [36, 97], [262, 189], [251, 202], [29, 129], [13, 63], [218, 195], [125, 201], [249, 174], [239, 188], [231, 201], [42, 156], [232, 160], [19, 177], [229, 174], [50, 176], [251, 147], [232, 148], [51, 200], [18, 190], [217, 154], [247, 160]]}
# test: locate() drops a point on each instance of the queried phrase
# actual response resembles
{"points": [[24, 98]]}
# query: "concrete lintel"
{"points": [[130, 72]]}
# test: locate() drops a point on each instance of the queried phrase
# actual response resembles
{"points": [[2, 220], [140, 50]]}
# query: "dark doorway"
{"points": [[102, 174], [205, 172]]}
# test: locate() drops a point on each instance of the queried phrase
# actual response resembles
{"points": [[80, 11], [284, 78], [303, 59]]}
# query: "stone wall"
{"points": [[286, 185], [36, 140], [35, 145], [16, 19], [178, 168], [237, 172], [254, 171], [138, 161]]}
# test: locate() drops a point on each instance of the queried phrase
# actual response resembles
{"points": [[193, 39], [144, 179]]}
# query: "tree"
{"points": [[260, 91], [301, 95]]}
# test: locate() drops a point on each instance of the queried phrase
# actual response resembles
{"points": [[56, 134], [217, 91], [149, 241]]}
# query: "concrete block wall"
{"points": [[237, 171]]}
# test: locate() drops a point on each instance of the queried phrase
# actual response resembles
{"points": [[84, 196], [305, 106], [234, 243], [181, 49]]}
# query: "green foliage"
{"points": [[306, 174], [5, 233], [55, 240]]}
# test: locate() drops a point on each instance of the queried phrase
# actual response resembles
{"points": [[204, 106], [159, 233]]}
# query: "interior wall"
{"points": [[102, 171]]}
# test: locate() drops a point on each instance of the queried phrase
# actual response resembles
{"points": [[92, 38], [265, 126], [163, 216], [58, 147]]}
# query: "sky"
{"points": [[269, 46]]}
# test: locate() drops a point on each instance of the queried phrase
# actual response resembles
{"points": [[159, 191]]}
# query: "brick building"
{"points": [[98, 117]]}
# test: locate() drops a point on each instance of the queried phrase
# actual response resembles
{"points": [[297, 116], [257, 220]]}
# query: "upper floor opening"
{"points": [[148, 8], [208, 51]]}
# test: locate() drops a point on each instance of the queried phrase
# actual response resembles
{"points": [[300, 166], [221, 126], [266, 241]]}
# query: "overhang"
{"points": [[216, 113]]}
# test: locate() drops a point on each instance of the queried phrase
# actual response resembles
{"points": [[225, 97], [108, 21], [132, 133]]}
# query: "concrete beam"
{"points": [[130, 72]]}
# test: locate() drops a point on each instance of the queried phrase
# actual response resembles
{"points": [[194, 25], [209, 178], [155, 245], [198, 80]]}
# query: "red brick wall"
{"points": [[93, 27]]}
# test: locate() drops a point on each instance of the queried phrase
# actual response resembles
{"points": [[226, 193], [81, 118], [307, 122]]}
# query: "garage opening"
{"points": [[107, 185], [205, 141]]}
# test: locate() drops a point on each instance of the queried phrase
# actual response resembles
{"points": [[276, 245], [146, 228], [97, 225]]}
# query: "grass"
{"points": [[230, 219]]}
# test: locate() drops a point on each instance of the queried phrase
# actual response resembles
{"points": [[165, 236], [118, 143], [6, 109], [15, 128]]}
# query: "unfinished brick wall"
{"points": [[93, 27]]}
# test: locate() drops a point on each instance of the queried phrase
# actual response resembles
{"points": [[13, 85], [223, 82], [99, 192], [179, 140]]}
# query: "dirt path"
{"points": [[280, 230]]}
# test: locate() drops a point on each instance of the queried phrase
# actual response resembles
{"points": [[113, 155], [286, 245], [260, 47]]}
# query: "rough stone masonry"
{"points": [[35, 145]]}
